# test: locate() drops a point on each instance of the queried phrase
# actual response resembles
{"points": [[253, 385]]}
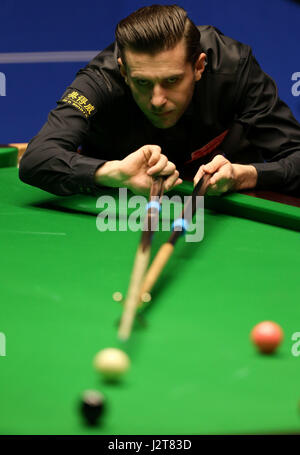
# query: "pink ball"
{"points": [[267, 335]]}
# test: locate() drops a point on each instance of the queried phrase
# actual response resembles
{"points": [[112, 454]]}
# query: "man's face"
{"points": [[162, 85]]}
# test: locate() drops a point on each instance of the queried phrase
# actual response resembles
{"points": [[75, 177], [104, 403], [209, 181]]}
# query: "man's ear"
{"points": [[123, 70], [200, 66]]}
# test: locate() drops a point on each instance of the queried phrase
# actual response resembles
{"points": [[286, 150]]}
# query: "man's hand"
{"points": [[136, 170], [226, 176]]}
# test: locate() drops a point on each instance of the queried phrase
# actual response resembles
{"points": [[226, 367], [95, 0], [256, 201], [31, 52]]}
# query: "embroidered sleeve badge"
{"points": [[80, 102]]}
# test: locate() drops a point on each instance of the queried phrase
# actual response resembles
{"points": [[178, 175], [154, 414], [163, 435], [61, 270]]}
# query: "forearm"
{"points": [[281, 176], [51, 161], [61, 172]]}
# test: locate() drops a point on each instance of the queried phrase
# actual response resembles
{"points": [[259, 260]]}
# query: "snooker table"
{"points": [[194, 369]]}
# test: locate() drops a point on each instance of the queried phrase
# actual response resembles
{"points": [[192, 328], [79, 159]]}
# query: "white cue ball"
{"points": [[112, 363]]}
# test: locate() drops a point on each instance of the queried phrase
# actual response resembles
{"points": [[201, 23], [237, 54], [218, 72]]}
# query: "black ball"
{"points": [[92, 406]]}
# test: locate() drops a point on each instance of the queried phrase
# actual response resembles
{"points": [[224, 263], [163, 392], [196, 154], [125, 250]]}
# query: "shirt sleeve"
{"points": [[270, 127], [51, 161]]}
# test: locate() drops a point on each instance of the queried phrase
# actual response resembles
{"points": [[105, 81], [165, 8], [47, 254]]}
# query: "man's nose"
{"points": [[158, 98]]}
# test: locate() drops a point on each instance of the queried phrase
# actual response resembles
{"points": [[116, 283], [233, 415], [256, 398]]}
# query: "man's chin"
{"points": [[163, 123]]}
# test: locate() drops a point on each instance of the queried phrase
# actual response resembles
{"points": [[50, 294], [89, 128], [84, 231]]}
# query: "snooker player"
{"points": [[160, 92]]}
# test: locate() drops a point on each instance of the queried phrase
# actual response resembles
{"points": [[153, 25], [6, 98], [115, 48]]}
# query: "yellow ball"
{"points": [[112, 363]]}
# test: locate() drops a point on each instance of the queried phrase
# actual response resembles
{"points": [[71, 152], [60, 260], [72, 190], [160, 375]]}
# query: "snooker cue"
{"points": [[167, 248], [141, 259], [228, 140]]}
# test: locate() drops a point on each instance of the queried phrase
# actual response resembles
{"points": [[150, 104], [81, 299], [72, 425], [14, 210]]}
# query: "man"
{"points": [[149, 101]]}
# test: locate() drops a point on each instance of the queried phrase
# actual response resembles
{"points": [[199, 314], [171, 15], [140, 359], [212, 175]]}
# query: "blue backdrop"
{"points": [[272, 28]]}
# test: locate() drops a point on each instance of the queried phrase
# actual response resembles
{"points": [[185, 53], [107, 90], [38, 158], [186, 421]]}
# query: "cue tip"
{"points": [[122, 337], [117, 296], [146, 297]]}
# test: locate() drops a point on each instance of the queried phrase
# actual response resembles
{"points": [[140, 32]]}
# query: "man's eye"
{"points": [[142, 82], [172, 80]]}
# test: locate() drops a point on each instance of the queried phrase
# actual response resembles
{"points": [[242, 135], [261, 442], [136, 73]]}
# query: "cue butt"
{"points": [[156, 267]]}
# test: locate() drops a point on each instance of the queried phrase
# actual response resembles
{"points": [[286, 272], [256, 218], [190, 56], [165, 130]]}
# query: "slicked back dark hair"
{"points": [[156, 28]]}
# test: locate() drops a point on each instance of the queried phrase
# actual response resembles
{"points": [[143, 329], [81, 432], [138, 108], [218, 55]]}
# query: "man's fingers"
{"points": [[216, 178], [217, 189], [199, 174], [159, 166], [152, 154], [210, 168], [168, 169], [162, 167], [177, 182], [157, 162], [221, 181], [224, 173], [214, 165], [171, 181]]}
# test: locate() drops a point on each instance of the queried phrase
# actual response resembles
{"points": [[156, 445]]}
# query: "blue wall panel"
{"points": [[272, 28]]}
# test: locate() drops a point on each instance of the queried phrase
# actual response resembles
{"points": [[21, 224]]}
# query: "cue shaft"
{"points": [[167, 248], [132, 299], [141, 261], [156, 267]]}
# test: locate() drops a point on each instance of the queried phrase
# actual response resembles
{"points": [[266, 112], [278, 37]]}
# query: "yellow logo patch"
{"points": [[80, 102]]}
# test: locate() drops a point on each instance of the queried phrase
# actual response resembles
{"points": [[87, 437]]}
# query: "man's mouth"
{"points": [[162, 114]]}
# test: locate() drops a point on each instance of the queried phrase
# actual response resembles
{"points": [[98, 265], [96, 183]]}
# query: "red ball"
{"points": [[267, 336]]}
